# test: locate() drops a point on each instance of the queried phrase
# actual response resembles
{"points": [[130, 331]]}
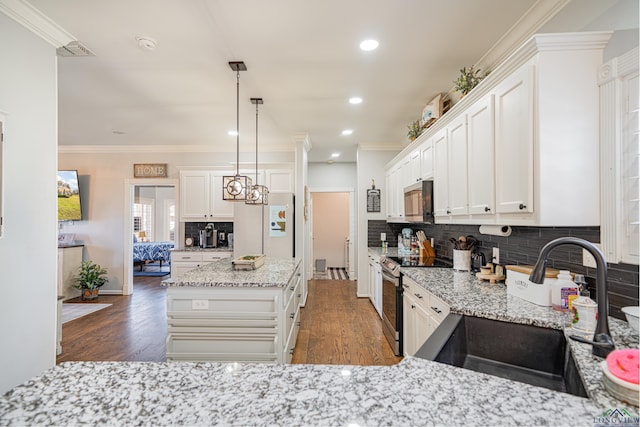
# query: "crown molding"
{"points": [[35, 21], [163, 149], [304, 139]]}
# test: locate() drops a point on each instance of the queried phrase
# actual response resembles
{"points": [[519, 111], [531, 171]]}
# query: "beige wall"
{"points": [[330, 227]]}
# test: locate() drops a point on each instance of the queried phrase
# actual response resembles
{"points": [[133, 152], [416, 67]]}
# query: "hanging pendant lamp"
{"points": [[259, 194], [234, 188]]}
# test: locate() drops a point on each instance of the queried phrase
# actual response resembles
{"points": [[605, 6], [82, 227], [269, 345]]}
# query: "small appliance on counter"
{"points": [[208, 237]]}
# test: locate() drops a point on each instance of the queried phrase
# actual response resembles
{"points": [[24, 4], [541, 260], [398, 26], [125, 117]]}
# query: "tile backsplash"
{"points": [[522, 247], [192, 229]]}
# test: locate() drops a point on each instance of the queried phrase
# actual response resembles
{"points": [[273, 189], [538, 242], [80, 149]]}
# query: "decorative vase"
{"points": [[89, 294]]}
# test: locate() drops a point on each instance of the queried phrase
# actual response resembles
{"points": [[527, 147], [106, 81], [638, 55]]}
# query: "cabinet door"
{"points": [[514, 142], [219, 209], [388, 195], [426, 160], [423, 328], [458, 168], [408, 322], [194, 195], [441, 174], [280, 181], [377, 288], [414, 167], [480, 119]]}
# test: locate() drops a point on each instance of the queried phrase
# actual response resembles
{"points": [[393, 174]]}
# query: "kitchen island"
{"points": [[215, 313]]}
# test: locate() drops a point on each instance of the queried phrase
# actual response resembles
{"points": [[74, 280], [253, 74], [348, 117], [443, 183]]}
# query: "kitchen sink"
{"points": [[524, 353]]}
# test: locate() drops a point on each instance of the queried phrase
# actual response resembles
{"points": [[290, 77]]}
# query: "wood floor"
{"points": [[336, 328]]}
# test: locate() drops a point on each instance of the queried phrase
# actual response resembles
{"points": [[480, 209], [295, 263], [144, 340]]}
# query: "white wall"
{"points": [[160, 196], [28, 248], [370, 166], [104, 174], [330, 227], [335, 175]]}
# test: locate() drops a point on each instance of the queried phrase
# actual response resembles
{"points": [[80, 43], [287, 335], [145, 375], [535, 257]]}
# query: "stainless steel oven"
{"points": [[392, 304]]}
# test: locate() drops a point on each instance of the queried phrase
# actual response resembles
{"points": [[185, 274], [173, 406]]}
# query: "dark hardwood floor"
{"points": [[336, 328]]}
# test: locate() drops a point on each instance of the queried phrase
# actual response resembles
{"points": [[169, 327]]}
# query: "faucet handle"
{"points": [[603, 344]]}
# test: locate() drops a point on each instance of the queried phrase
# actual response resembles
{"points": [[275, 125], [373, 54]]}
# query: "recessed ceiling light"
{"points": [[347, 132], [232, 133], [355, 100], [335, 154], [369, 45]]}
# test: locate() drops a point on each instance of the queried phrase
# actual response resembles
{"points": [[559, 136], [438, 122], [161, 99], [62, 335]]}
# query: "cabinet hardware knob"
{"points": [[297, 323], [448, 211], [299, 295], [418, 295], [405, 286], [436, 310], [292, 288], [292, 315], [522, 206], [291, 351], [487, 208], [413, 306]]}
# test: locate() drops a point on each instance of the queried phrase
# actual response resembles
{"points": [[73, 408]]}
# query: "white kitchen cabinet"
{"points": [[201, 196], [239, 324], [395, 193], [441, 174], [375, 283], [480, 133], [534, 164], [422, 314], [514, 142], [183, 261], [414, 170], [426, 160], [458, 168], [69, 261], [279, 180]]}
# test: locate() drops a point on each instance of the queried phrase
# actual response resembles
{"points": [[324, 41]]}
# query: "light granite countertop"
{"points": [[275, 273], [469, 296], [413, 393]]}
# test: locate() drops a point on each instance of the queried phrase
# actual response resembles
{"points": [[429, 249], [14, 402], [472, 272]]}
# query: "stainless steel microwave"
{"points": [[418, 202]]}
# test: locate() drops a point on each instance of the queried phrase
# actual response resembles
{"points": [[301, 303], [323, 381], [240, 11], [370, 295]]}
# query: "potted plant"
{"points": [[468, 79], [90, 280], [415, 129]]}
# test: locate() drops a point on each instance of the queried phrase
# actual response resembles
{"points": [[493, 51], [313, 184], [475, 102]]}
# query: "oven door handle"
{"points": [[387, 276]]}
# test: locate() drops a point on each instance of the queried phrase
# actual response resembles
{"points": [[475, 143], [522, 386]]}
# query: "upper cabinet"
{"points": [[280, 180], [522, 148], [201, 197]]}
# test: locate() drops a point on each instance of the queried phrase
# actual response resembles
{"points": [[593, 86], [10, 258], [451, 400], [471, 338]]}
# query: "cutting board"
{"points": [[248, 262]]}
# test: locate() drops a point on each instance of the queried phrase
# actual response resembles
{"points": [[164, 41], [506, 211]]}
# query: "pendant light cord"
{"points": [[256, 143], [238, 122]]}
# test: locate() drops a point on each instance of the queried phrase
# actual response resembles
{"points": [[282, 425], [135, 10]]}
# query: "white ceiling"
{"points": [[302, 57]]}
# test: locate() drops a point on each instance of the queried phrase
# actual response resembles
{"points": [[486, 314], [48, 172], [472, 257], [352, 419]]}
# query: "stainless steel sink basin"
{"points": [[524, 353]]}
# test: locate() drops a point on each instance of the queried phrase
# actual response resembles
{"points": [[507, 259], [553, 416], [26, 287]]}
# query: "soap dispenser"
{"points": [[563, 291], [585, 310]]}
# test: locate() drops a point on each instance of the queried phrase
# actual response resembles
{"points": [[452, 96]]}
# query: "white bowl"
{"points": [[632, 314]]}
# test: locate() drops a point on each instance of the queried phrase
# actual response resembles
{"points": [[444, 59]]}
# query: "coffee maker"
{"points": [[208, 237]]}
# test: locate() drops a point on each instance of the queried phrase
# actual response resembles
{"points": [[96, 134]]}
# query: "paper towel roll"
{"points": [[496, 230]]}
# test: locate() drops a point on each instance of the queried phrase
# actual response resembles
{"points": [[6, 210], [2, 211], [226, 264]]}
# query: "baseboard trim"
{"points": [[111, 292]]}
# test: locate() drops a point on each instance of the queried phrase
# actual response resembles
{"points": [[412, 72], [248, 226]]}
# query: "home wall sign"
{"points": [[150, 170]]}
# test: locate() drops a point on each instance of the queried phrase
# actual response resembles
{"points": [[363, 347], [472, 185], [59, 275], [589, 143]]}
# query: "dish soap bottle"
{"points": [[585, 310], [562, 291]]}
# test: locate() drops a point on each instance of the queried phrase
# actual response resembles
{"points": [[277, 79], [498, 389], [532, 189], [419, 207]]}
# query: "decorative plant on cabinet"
{"points": [[468, 79], [90, 279]]}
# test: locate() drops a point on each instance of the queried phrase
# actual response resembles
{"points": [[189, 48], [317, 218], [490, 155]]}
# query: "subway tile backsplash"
{"points": [[192, 229], [522, 247]]}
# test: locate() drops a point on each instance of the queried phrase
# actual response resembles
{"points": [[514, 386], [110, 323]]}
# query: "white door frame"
{"points": [[129, 191], [352, 222]]}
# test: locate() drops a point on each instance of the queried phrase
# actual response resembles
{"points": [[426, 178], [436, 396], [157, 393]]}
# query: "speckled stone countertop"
{"points": [[198, 249], [275, 272], [413, 393], [471, 297]]}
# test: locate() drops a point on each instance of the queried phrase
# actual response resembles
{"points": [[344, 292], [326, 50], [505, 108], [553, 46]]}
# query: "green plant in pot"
{"points": [[415, 129], [468, 79], [90, 279]]}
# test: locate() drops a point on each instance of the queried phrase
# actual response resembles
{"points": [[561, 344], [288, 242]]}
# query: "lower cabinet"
{"points": [[422, 314], [183, 261], [375, 283], [237, 324]]}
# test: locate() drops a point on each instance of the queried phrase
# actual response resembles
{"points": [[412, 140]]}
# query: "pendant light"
{"points": [[259, 194], [234, 188]]}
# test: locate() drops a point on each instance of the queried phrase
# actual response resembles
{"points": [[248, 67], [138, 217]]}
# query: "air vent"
{"points": [[74, 48]]}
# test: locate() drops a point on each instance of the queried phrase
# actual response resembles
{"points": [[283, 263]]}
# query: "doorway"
{"points": [[332, 234], [151, 226]]}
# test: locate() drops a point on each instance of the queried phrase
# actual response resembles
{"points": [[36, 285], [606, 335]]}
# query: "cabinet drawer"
{"points": [[290, 345], [221, 347], [186, 256], [214, 256], [438, 308]]}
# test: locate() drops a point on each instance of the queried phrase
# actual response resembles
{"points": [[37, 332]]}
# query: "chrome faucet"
{"points": [[602, 342]]}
